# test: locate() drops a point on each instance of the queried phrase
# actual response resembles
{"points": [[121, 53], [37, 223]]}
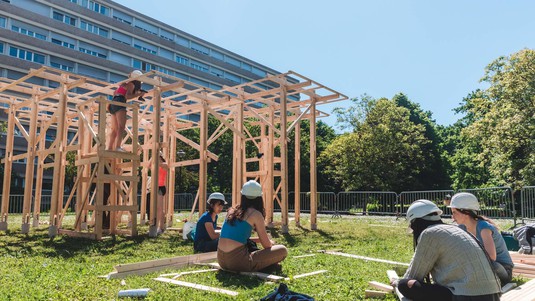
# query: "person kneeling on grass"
{"points": [[206, 238], [460, 269], [464, 207], [233, 253]]}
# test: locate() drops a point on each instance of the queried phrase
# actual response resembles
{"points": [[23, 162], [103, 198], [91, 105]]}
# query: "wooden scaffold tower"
{"points": [[105, 192]]}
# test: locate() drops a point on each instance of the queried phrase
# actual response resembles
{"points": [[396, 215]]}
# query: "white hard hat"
{"points": [[216, 196], [464, 200], [136, 73], [251, 189], [422, 208]]}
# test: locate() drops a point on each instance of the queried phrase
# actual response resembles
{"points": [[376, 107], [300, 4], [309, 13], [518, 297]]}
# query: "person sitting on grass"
{"points": [[457, 264], [233, 253], [206, 238], [464, 207]]}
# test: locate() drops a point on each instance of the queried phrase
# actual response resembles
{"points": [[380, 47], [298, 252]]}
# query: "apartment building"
{"points": [[105, 40]]}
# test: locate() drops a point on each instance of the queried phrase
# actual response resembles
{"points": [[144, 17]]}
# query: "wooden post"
{"points": [[144, 180], [156, 106], [284, 160], [99, 200], [8, 164], [313, 175], [238, 162], [171, 178], [203, 164], [30, 166], [59, 148], [269, 157], [39, 180], [135, 165], [297, 173]]}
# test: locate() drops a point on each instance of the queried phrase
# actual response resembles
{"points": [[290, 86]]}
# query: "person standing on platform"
{"points": [[126, 91]]}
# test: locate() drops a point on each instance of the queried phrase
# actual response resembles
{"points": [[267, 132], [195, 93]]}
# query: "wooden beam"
{"points": [[198, 286]]}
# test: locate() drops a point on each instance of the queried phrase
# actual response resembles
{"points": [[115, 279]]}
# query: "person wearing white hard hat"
{"points": [[206, 239], [128, 90], [464, 207], [233, 253], [459, 268]]}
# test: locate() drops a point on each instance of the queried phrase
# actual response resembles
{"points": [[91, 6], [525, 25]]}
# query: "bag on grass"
{"points": [[187, 230], [284, 294]]}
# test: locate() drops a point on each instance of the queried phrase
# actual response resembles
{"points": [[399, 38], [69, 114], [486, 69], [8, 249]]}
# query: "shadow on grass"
{"points": [[63, 246]]}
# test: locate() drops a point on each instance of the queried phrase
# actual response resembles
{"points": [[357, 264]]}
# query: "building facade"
{"points": [[105, 40]]}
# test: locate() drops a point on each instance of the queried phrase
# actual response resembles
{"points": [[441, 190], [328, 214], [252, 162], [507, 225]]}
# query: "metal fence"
{"points": [[527, 203], [367, 202], [496, 202], [436, 196]]}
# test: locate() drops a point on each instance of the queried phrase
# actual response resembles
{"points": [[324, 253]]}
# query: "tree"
{"points": [[384, 152], [503, 122], [434, 173]]}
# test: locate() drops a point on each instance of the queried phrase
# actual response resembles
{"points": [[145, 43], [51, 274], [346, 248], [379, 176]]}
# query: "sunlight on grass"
{"points": [[37, 268]]}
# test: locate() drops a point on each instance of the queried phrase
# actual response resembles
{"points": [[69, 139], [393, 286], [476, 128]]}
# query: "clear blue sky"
{"points": [[433, 51]]}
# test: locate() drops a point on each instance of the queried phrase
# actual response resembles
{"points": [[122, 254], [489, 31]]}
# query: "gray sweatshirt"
{"points": [[455, 261]]}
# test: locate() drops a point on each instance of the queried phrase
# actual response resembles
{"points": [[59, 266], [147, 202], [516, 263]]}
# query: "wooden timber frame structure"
{"points": [[76, 105]]}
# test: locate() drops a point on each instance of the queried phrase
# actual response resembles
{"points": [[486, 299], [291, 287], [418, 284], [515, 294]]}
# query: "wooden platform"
{"points": [[524, 265], [525, 292]]}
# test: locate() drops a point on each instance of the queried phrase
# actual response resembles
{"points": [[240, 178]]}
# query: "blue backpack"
{"points": [[282, 293]]}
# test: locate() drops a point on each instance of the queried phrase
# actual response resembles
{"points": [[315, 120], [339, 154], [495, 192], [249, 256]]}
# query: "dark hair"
{"points": [[418, 226], [477, 217], [246, 203], [211, 204], [137, 85]]}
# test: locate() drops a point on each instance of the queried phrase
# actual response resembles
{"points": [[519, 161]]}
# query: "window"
{"points": [[181, 60], [216, 54], [99, 8], [62, 67], [64, 18], [199, 66], [94, 29], [232, 77], [28, 32], [3, 22], [143, 66], [165, 70], [259, 72], [26, 55], [63, 43], [216, 72], [122, 17], [232, 61], [200, 48], [92, 52], [144, 48], [74, 1], [167, 35], [246, 66], [119, 37], [1, 48]]}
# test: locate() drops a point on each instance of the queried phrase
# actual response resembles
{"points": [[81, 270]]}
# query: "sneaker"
{"points": [[120, 149]]}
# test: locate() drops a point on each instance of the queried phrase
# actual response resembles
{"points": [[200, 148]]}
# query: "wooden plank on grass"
{"points": [[374, 294], [392, 275], [367, 258], [381, 286], [308, 274], [509, 286], [174, 261], [197, 286]]}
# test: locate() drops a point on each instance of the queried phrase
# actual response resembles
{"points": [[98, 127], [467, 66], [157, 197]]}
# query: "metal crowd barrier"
{"points": [[496, 202]]}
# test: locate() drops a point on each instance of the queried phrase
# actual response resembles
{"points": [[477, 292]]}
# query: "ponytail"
{"points": [[478, 217]]}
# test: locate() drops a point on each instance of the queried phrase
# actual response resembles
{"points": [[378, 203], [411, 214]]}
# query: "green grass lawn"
{"points": [[34, 267]]}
